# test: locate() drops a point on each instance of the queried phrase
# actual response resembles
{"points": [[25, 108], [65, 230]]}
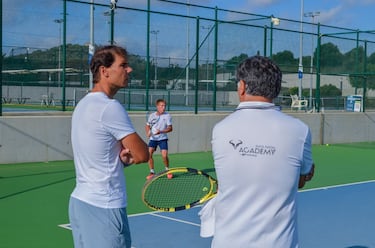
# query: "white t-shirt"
{"points": [[259, 155], [98, 125], [159, 122]]}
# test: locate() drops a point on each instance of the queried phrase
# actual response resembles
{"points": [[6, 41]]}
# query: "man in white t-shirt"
{"points": [[104, 141], [261, 156], [159, 123]]}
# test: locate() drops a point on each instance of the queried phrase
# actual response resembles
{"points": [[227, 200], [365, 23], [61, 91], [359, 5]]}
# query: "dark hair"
{"points": [[261, 76], [105, 56], [160, 100]]}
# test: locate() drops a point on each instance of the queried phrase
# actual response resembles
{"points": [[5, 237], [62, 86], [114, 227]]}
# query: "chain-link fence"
{"points": [[186, 55]]}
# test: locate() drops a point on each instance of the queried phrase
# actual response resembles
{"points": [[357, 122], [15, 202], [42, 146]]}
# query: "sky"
{"points": [[32, 23], [356, 14]]}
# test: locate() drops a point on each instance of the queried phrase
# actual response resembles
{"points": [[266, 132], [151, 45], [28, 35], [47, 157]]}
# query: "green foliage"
{"points": [[293, 91], [234, 61], [353, 60], [332, 61], [284, 58], [371, 59], [329, 91], [325, 91], [331, 56]]}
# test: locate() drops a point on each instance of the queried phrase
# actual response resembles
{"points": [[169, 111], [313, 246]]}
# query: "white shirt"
{"points": [[98, 125], [259, 155], [159, 122]]}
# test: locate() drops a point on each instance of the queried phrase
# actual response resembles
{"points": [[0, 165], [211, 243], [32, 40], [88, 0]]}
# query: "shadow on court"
{"points": [[341, 216], [168, 230]]}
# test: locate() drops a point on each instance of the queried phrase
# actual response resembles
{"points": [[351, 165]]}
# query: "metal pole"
{"points": [[215, 59], [364, 83], [265, 41], [356, 62], [112, 25], [274, 22], [208, 51], [91, 45], [187, 56], [155, 32], [148, 55], [64, 58], [271, 38], [108, 15], [312, 15], [1, 61], [59, 75], [197, 67], [59, 21], [317, 91], [300, 66], [311, 65]]}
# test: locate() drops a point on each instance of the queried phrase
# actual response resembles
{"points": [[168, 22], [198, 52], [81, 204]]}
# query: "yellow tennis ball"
{"points": [[205, 189], [327, 144]]}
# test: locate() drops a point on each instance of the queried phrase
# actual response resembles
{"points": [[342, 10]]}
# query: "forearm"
{"points": [[305, 178], [167, 130]]}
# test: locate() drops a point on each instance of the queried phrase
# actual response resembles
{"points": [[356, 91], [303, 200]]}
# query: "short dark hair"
{"points": [[261, 76], [105, 56], [160, 100]]}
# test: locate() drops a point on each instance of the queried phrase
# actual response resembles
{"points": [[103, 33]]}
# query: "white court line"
{"points": [[314, 189], [67, 226], [338, 186], [174, 219]]}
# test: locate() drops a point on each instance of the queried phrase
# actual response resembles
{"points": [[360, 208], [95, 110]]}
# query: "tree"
{"points": [[284, 57], [371, 59], [330, 57], [329, 90], [353, 60], [234, 61], [286, 61]]}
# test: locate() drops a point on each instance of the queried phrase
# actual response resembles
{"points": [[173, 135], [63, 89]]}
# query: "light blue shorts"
{"points": [[95, 227]]}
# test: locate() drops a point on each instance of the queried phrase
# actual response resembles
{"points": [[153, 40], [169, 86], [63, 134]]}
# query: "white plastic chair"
{"points": [[298, 103]]}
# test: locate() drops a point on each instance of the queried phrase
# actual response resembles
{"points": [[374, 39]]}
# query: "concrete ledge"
{"points": [[45, 136]]}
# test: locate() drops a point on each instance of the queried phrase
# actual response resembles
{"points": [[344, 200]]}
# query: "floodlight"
{"points": [[275, 21]]}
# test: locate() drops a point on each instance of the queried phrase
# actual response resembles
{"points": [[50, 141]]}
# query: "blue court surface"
{"points": [[339, 216]]}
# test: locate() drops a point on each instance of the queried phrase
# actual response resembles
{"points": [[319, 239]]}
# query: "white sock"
{"points": [[166, 168], [152, 171]]}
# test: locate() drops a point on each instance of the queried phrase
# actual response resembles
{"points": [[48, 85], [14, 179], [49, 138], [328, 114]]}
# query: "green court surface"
{"points": [[34, 196]]}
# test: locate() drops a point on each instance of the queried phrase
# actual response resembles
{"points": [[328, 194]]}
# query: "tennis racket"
{"points": [[152, 119], [187, 188]]}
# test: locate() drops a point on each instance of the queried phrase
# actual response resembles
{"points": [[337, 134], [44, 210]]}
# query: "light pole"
{"points": [[300, 66], [108, 14], [208, 49], [312, 15], [59, 21], [155, 32], [274, 22], [91, 44], [187, 54]]}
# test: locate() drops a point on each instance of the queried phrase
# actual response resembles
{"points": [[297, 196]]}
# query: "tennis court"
{"points": [[340, 216], [335, 210]]}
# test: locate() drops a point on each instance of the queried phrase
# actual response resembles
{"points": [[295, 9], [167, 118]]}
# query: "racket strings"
{"points": [[183, 189]]}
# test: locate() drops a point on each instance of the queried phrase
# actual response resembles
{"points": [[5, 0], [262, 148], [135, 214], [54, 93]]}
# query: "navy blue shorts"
{"points": [[163, 144]]}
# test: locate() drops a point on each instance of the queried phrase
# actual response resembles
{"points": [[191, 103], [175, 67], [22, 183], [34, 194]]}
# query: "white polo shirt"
{"points": [[163, 121], [259, 155], [98, 125]]}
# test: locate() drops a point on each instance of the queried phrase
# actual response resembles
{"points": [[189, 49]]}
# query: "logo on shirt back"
{"points": [[235, 143], [254, 151]]}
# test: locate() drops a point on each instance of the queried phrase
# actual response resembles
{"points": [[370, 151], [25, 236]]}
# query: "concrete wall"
{"points": [[45, 137]]}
